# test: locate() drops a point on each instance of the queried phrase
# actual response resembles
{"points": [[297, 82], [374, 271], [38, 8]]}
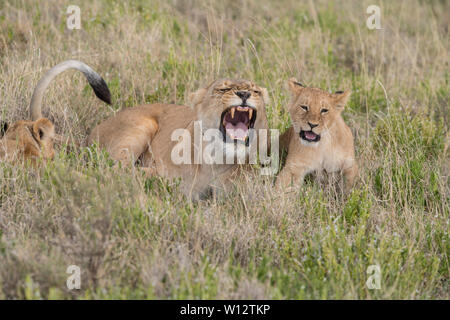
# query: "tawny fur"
{"points": [[145, 132], [334, 152], [28, 140]]}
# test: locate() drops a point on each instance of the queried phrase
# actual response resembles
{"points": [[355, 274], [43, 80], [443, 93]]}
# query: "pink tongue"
{"points": [[310, 135], [238, 131]]}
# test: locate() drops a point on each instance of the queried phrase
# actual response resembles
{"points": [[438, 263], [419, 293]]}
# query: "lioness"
{"points": [[145, 133], [34, 139], [318, 139]]}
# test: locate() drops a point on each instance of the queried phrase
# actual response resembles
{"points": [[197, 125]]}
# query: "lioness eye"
{"points": [[304, 108], [257, 91], [324, 111], [224, 89]]}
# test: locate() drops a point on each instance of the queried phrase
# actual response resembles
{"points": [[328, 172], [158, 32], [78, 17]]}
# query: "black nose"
{"points": [[312, 125], [244, 95]]}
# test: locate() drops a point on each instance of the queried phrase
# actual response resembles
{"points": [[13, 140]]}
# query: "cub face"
{"points": [[313, 111], [29, 139], [233, 107]]}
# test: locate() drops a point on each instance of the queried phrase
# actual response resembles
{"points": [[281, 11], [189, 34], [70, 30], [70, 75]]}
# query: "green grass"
{"points": [[140, 238]]}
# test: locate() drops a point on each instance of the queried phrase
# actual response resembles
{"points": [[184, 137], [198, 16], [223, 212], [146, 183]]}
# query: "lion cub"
{"points": [[28, 140], [318, 139]]}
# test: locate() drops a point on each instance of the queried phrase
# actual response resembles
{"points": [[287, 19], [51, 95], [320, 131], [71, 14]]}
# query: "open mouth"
{"points": [[235, 123], [309, 136]]}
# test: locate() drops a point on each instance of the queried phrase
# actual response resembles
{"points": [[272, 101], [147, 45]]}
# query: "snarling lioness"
{"points": [[145, 133], [30, 140], [318, 139]]}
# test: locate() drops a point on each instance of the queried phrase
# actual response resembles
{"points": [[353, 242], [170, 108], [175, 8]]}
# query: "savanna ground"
{"points": [[138, 238]]}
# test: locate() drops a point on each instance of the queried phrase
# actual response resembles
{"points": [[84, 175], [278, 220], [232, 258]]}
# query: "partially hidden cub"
{"points": [[31, 140], [318, 139]]}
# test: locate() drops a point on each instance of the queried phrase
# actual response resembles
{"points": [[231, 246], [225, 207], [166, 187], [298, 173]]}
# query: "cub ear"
{"points": [[197, 96], [341, 98], [43, 129], [294, 85], [265, 95], [3, 127]]}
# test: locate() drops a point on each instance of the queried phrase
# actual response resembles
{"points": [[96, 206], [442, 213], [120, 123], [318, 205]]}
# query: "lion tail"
{"points": [[97, 83]]}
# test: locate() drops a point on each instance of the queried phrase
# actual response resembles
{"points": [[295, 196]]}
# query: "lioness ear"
{"points": [[294, 85], [341, 98], [197, 96], [265, 95], [43, 129]]}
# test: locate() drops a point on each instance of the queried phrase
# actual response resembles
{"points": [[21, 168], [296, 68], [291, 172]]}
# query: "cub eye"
{"points": [[304, 108], [324, 111]]}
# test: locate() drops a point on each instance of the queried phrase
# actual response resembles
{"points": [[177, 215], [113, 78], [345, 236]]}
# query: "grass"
{"points": [[139, 238]]}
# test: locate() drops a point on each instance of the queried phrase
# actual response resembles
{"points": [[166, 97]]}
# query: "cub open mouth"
{"points": [[235, 123], [309, 136]]}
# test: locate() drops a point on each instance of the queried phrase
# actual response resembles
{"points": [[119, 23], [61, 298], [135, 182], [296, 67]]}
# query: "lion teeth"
{"points": [[232, 112], [250, 113]]}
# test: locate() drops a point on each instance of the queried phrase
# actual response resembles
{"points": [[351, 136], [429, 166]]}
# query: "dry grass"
{"points": [[140, 238]]}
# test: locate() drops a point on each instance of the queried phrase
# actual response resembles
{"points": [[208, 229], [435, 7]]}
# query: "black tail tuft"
{"points": [[101, 89]]}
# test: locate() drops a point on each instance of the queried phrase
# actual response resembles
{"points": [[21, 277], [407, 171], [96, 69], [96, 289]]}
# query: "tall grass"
{"points": [[134, 237]]}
